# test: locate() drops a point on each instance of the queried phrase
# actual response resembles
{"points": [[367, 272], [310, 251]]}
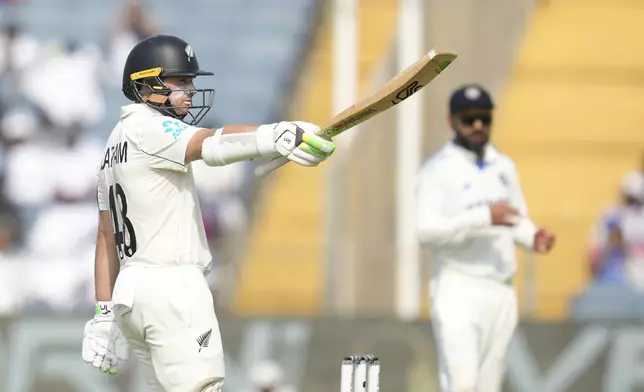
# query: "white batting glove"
{"points": [[104, 348], [295, 140]]}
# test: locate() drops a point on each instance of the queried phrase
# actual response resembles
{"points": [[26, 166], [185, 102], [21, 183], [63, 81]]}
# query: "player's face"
{"points": [[472, 128], [183, 89]]}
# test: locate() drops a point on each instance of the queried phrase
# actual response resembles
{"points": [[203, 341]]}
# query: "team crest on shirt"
{"points": [[174, 127]]}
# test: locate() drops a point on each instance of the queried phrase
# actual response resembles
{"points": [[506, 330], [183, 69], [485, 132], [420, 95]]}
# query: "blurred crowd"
{"points": [[616, 256], [616, 253], [53, 130]]}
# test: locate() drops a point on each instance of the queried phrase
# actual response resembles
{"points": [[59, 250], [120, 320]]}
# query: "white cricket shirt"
{"points": [[148, 188], [453, 198]]}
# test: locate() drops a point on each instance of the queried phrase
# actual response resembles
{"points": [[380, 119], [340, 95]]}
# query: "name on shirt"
{"points": [[114, 155]]}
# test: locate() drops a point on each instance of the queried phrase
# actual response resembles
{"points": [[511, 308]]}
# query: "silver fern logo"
{"points": [[204, 339], [190, 52]]}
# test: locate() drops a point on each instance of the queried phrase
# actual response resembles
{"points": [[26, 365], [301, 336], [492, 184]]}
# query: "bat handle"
{"points": [[267, 167]]}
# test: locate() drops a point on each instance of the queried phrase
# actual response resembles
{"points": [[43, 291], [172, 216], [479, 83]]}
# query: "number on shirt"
{"points": [[123, 230]]}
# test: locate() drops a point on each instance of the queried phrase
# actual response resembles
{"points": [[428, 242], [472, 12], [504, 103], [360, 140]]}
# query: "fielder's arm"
{"points": [[525, 229], [433, 227], [106, 263]]}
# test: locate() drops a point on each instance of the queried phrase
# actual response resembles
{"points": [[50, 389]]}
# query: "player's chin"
{"points": [[182, 110], [479, 138], [477, 145]]}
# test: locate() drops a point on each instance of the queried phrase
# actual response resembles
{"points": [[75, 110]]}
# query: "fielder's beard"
{"points": [[464, 142]]}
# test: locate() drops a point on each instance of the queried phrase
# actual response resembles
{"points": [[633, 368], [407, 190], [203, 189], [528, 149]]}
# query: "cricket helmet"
{"points": [[157, 57]]}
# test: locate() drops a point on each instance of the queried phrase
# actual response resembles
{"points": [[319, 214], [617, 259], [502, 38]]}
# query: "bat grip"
{"points": [[267, 167]]}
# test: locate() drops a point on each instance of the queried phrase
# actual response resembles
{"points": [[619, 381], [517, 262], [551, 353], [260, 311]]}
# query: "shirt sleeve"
{"points": [[165, 140], [525, 230], [434, 226], [101, 197]]}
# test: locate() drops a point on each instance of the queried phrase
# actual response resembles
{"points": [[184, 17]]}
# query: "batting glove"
{"points": [[104, 348], [295, 140]]}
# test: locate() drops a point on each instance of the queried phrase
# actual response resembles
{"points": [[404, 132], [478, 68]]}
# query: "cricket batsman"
{"points": [[151, 250], [471, 212]]}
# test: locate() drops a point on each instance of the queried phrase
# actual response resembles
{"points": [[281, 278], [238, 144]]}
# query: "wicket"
{"points": [[360, 373]]}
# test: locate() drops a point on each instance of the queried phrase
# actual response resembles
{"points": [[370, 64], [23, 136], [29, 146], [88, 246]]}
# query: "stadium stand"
{"points": [[251, 45], [571, 116], [281, 274], [254, 48]]}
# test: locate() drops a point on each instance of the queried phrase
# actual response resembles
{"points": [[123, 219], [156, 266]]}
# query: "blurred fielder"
{"points": [[151, 232], [471, 211]]}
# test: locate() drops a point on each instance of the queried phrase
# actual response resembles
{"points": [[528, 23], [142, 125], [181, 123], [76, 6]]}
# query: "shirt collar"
{"points": [[128, 110], [490, 154]]}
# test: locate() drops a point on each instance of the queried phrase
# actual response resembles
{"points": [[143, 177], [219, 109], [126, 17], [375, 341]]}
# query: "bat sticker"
{"points": [[407, 92]]}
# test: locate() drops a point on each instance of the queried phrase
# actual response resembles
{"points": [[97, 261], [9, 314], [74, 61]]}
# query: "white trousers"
{"points": [[171, 326], [473, 320]]}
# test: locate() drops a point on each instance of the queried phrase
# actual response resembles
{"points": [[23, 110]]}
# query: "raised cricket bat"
{"points": [[396, 90]]}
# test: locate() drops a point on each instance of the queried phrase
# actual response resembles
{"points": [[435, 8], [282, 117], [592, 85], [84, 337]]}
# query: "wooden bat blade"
{"points": [[396, 90]]}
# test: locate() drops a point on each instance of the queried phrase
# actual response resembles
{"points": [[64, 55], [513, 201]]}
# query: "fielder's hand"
{"points": [[503, 215], [104, 348], [298, 142], [544, 240]]}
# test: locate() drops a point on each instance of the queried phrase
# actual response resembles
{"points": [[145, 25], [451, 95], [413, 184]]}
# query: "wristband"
{"points": [[265, 135], [104, 308]]}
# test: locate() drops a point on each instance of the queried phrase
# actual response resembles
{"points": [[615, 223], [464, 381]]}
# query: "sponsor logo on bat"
{"points": [[407, 92], [350, 122]]}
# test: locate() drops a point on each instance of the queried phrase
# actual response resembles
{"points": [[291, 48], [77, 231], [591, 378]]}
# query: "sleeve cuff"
{"points": [[104, 308], [182, 145], [524, 233]]}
